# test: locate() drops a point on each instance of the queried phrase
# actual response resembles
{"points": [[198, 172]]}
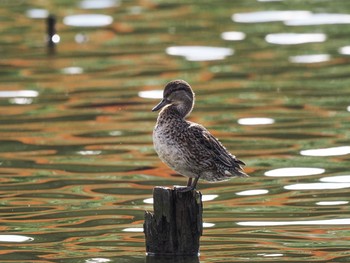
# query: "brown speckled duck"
{"points": [[186, 147]]}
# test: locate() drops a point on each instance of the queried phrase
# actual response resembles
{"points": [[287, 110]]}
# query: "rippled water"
{"points": [[76, 158]]}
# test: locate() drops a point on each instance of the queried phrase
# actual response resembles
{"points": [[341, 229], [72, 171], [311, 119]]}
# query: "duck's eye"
{"points": [[169, 99]]}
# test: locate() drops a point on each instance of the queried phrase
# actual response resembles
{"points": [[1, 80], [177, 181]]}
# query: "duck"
{"points": [[186, 147]]}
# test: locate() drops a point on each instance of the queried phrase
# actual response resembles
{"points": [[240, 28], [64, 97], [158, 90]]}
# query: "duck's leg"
{"points": [[189, 182], [190, 186], [193, 186]]}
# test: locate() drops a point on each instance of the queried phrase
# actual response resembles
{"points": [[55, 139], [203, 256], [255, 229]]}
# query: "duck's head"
{"points": [[179, 96]]}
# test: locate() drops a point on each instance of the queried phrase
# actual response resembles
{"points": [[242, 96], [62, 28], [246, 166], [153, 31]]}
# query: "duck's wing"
{"points": [[216, 149]]}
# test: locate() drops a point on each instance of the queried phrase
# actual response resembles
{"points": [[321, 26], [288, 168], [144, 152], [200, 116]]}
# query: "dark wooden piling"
{"points": [[51, 32], [176, 225]]}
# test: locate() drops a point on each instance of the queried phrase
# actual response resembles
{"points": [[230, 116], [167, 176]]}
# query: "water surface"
{"points": [[76, 158]]}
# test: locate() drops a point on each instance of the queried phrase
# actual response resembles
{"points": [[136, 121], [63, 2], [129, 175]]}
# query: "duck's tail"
{"points": [[236, 172], [236, 169]]}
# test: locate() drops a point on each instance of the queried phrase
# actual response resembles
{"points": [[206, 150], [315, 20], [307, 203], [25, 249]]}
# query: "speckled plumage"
{"points": [[186, 147]]}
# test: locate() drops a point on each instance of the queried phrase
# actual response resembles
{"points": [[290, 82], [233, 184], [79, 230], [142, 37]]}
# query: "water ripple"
{"points": [[332, 151], [15, 238], [331, 203], [88, 20], [294, 171], [295, 38], [336, 179], [37, 13], [256, 121], [317, 186], [100, 4], [73, 167], [76, 157], [344, 221], [151, 94], [269, 16], [305, 59], [233, 36], [19, 93], [200, 53], [253, 192], [319, 19]]}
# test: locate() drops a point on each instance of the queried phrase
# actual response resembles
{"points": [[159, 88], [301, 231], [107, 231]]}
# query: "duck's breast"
{"points": [[170, 150]]}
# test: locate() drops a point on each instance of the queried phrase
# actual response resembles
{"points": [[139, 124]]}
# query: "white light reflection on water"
{"points": [[133, 229], [18, 93], [88, 20], [332, 203], [255, 121], [344, 221], [97, 260], [81, 38], [333, 151], [233, 36], [37, 13], [89, 152], [56, 38], [151, 94], [294, 171], [72, 70], [98, 4], [15, 238], [148, 200], [270, 255], [269, 16], [317, 186], [200, 53], [21, 101], [319, 19], [316, 58], [344, 50], [115, 133], [336, 179], [253, 192], [206, 225], [295, 38], [208, 197]]}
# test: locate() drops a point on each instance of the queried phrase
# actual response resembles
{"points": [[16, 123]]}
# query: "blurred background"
{"points": [[77, 163]]}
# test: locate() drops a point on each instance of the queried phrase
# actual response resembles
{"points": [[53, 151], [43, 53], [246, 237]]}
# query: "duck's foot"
{"points": [[190, 186]]}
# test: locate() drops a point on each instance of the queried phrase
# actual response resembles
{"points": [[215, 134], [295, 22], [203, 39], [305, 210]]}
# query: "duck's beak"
{"points": [[160, 105]]}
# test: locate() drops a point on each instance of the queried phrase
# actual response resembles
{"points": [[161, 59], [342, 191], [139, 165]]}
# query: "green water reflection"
{"points": [[77, 163]]}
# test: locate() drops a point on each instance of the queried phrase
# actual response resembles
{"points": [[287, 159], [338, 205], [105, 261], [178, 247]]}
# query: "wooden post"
{"points": [[176, 225], [51, 32]]}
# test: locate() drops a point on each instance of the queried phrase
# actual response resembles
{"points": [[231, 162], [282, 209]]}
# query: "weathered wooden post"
{"points": [[175, 226], [51, 32]]}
